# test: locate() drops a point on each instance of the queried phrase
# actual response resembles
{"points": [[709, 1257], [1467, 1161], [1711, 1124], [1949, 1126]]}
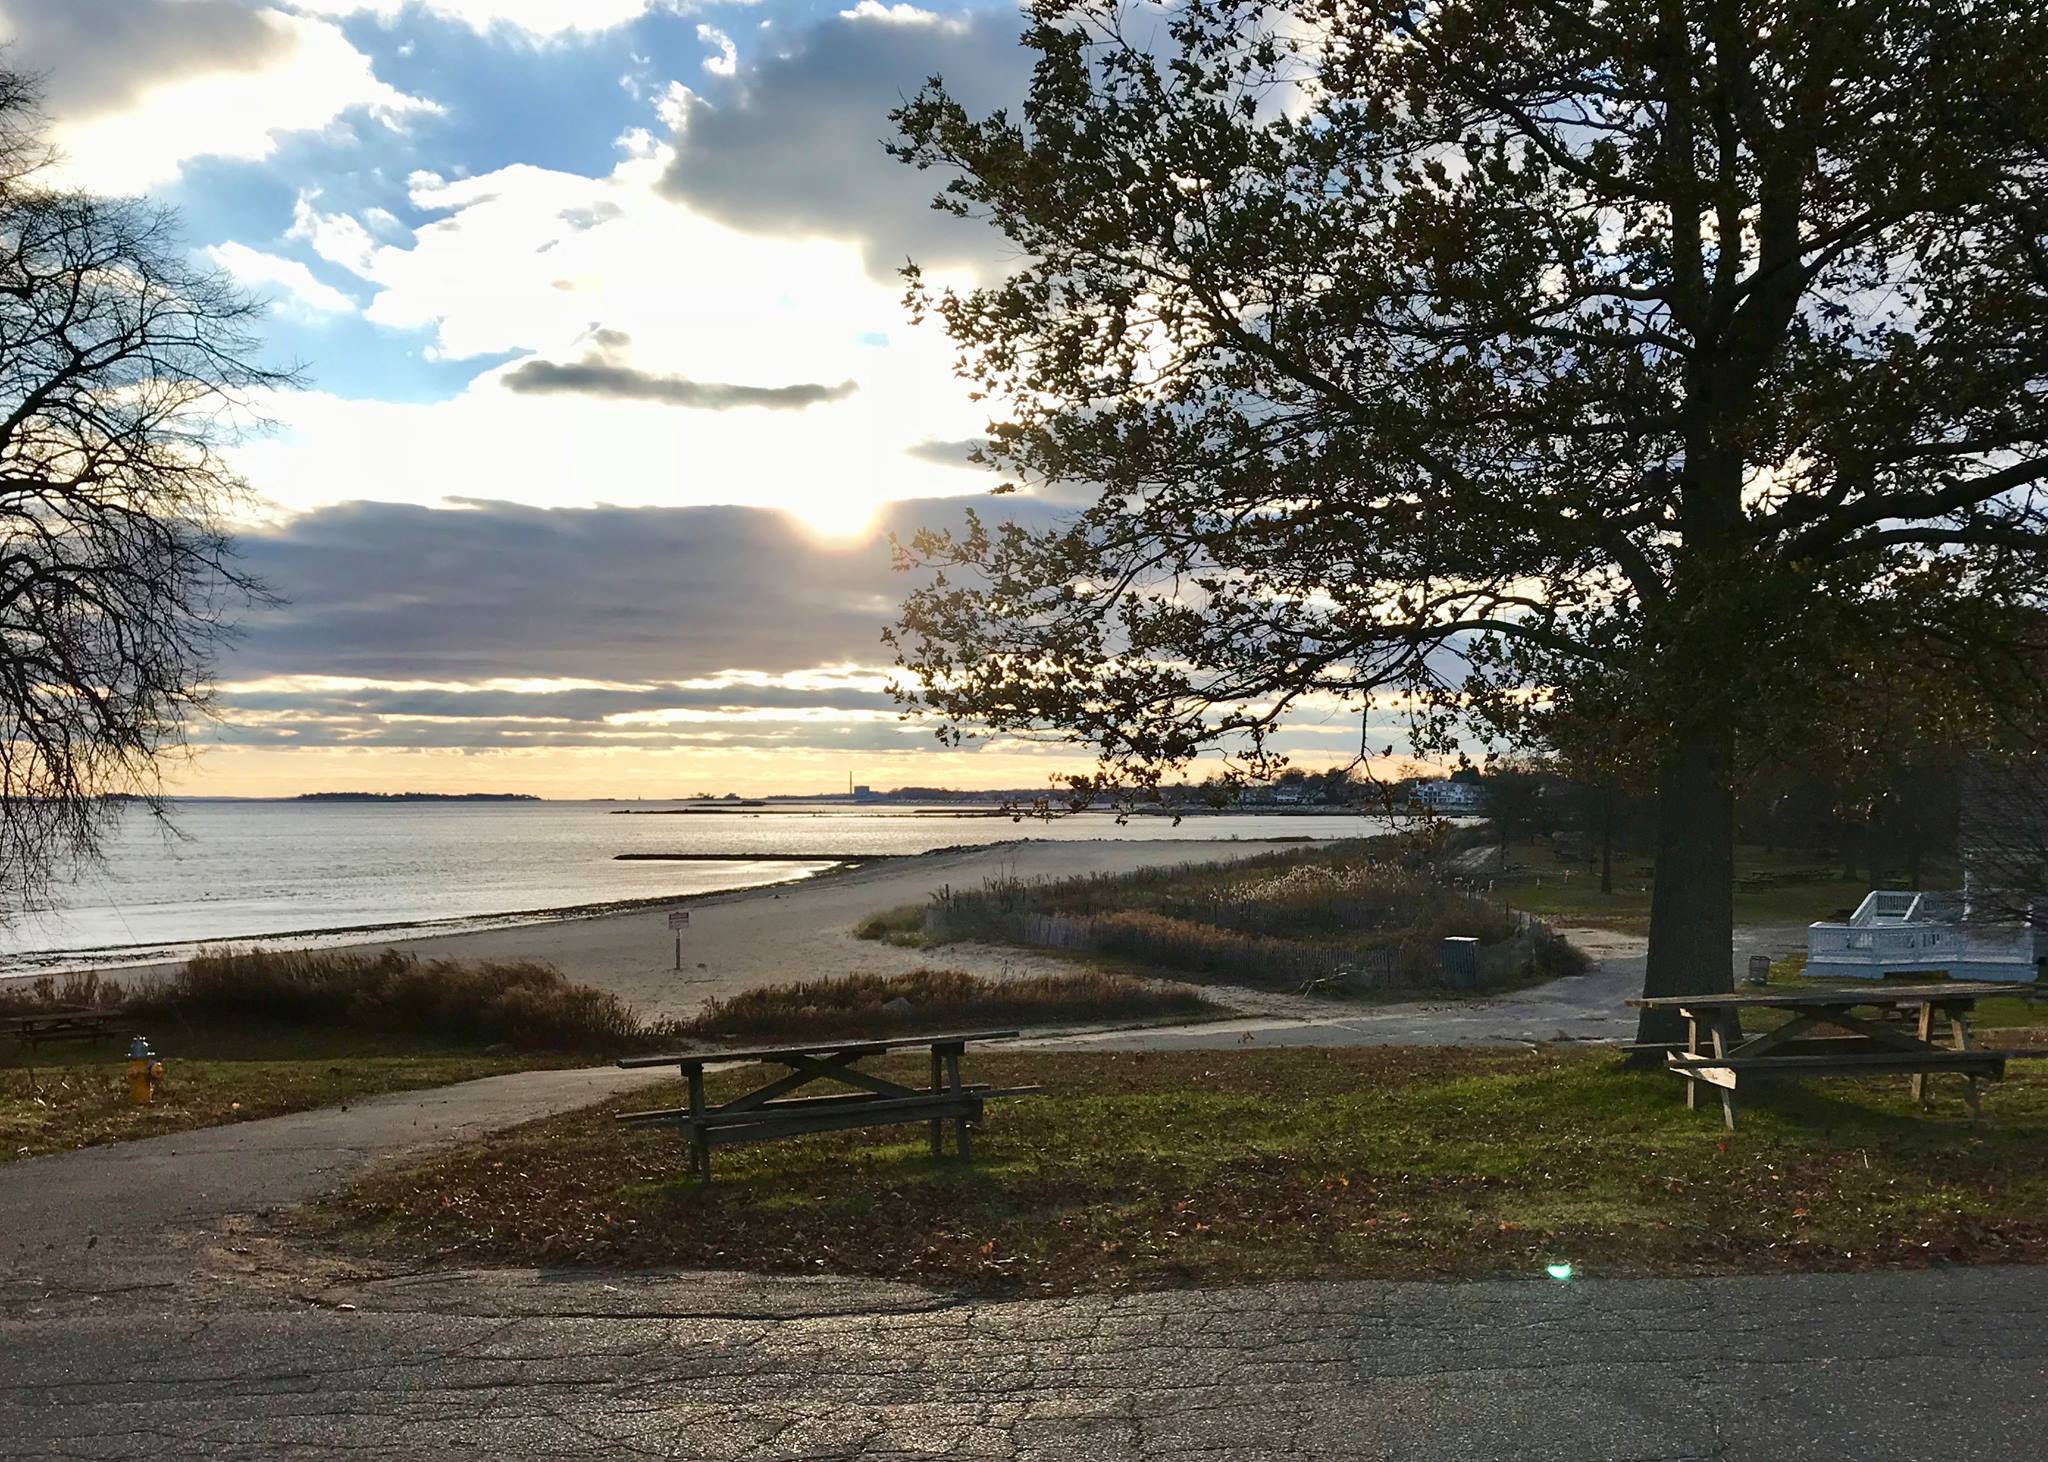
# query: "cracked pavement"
{"points": [[1931, 1364]]}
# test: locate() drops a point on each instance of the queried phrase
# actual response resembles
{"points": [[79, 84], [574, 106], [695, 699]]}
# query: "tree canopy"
{"points": [[1635, 365]]}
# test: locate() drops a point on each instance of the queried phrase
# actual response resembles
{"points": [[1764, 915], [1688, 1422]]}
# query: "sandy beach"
{"points": [[794, 932]]}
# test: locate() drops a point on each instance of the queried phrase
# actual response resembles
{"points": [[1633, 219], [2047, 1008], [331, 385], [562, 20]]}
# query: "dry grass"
{"points": [[1275, 920], [524, 1005], [939, 1000], [1210, 1167]]}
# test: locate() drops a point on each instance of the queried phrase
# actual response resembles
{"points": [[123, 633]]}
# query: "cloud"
{"points": [[523, 264], [598, 595], [624, 383], [726, 62], [496, 627], [256, 269], [540, 18], [137, 87], [797, 149], [947, 454]]}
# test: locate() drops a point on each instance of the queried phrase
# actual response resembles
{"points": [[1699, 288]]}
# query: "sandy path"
{"points": [[802, 931]]}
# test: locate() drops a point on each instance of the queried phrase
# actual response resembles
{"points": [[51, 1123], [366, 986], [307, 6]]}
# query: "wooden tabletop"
{"points": [[1841, 996], [842, 1049]]}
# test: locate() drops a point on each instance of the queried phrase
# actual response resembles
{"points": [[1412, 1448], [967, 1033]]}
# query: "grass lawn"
{"points": [[1203, 1168], [1770, 888], [217, 1070]]}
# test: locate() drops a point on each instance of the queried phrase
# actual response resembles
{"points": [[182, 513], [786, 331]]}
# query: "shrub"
{"points": [[900, 926], [939, 1000], [88, 990], [1276, 919], [526, 1005]]}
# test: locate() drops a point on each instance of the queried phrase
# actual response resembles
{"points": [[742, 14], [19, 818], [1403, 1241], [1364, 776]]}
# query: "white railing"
{"points": [[1887, 934], [1887, 905]]}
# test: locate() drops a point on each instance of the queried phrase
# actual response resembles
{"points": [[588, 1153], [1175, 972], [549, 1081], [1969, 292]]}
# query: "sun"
{"points": [[844, 520]]}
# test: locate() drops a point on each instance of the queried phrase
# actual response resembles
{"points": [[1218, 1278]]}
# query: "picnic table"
{"points": [[57, 1023], [768, 1111], [1869, 1030]]}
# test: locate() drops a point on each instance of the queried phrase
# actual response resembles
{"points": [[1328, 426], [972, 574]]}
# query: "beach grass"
{"points": [[939, 1000], [1165, 1169], [521, 1004], [1282, 920]]}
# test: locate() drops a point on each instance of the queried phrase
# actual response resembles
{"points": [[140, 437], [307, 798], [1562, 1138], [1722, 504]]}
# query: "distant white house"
{"points": [[1448, 798]]}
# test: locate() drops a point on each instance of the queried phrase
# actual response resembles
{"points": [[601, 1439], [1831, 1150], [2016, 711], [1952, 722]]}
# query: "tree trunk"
{"points": [[1607, 839], [1692, 906]]}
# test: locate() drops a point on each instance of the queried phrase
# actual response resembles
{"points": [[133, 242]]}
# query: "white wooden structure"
{"points": [[1896, 931]]}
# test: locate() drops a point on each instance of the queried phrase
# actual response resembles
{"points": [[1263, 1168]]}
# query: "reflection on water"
{"points": [[238, 870]]}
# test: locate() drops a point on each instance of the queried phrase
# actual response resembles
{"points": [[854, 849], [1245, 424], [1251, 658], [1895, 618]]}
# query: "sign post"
{"points": [[679, 920]]}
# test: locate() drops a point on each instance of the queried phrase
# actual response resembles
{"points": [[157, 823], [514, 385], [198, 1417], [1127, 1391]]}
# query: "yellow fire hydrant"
{"points": [[145, 1073]]}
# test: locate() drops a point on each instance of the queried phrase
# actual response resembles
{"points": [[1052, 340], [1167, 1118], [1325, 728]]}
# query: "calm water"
{"points": [[242, 870]]}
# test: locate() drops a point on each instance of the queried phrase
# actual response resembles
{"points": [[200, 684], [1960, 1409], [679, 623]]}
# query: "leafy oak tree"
{"points": [[1651, 355], [122, 368]]}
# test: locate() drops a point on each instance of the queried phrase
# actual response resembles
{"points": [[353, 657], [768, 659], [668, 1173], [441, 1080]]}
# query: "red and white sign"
{"points": [[678, 918]]}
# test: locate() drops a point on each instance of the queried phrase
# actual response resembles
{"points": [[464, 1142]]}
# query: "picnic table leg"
{"points": [[960, 1131], [1727, 1096], [1959, 1038], [1692, 1050], [1927, 1037], [938, 1085], [700, 1140]]}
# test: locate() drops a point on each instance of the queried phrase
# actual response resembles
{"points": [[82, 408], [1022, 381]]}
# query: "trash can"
{"points": [[1461, 963], [1759, 970]]}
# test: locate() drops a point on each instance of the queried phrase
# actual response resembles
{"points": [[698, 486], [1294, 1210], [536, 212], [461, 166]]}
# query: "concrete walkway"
{"points": [[77, 1219], [1588, 1007], [1945, 1364]]}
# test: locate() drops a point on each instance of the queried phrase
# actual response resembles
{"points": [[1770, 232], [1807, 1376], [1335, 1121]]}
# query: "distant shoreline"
{"points": [[415, 797], [835, 858]]}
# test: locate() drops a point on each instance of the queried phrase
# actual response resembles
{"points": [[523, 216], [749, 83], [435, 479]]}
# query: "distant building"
{"points": [[863, 792], [1448, 798]]}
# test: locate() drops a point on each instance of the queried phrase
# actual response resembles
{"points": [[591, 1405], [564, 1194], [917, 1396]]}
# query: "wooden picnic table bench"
{"points": [[769, 1111], [1833, 1031], [58, 1023]]}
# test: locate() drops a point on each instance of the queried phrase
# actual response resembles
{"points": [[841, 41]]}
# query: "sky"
{"points": [[610, 393]]}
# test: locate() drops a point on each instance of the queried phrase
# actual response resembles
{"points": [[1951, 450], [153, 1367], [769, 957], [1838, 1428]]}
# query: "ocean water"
{"points": [[331, 871]]}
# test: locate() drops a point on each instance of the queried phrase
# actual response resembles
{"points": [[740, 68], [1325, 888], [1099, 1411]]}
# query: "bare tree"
{"points": [[124, 371], [2005, 837]]}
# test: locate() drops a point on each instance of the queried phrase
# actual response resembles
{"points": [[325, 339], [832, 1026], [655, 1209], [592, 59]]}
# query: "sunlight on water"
{"points": [[242, 870]]}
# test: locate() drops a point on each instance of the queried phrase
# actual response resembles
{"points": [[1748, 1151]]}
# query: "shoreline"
{"points": [[134, 958], [145, 958], [741, 938]]}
